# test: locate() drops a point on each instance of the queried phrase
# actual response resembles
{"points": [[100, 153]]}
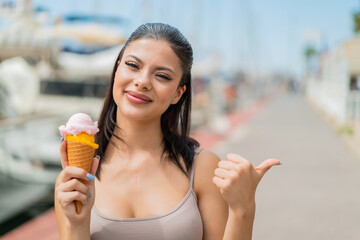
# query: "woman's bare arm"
{"points": [[212, 206], [68, 188], [228, 214]]}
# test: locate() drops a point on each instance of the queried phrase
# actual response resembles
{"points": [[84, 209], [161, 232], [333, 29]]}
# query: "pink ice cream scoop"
{"points": [[79, 123]]}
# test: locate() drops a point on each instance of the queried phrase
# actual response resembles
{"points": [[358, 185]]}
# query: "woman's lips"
{"points": [[136, 97]]}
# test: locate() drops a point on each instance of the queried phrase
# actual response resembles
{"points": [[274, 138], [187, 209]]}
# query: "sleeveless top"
{"points": [[182, 222]]}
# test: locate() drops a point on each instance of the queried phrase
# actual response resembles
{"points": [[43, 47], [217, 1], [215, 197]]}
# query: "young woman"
{"points": [[153, 180]]}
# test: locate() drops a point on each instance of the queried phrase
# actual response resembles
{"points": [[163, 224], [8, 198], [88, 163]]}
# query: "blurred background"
{"points": [[284, 71]]}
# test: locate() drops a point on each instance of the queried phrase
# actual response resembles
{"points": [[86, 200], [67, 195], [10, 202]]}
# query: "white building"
{"points": [[336, 87]]}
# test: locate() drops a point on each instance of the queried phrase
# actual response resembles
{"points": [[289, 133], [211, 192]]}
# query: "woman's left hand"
{"points": [[237, 179]]}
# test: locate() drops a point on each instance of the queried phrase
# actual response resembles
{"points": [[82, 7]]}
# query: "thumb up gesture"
{"points": [[237, 180]]}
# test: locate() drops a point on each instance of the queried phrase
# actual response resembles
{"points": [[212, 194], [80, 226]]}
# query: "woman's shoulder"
{"points": [[206, 158], [205, 165]]}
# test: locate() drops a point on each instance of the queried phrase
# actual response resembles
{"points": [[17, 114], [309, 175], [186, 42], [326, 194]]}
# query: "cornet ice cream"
{"points": [[79, 134]]}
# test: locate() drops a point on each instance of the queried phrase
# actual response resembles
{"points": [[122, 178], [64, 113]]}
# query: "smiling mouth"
{"points": [[137, 97]]}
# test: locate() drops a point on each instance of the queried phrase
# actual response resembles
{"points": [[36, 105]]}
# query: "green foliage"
{"points": [[356, 21], [309, 52], [346, 130]]}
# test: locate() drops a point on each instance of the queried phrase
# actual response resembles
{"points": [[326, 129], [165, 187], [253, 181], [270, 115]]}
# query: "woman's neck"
{"points": [[139, 136]]}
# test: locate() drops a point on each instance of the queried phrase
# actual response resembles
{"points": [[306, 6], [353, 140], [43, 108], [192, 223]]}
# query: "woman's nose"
{"points": [[143, 82]]}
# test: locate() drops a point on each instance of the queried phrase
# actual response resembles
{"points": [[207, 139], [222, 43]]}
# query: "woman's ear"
{"points": [[179, 92]]}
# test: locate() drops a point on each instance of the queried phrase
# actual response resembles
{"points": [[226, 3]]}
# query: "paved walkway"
{"points": [[315, 194]]}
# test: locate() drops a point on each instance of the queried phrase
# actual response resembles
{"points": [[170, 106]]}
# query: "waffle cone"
{"points": [[79, 155]]}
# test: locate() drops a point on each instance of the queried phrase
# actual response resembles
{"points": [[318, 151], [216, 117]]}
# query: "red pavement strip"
{"points": [[44, 227], [208, 139]]}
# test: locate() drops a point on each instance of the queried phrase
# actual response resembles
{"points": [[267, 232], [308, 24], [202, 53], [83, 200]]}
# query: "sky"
{"points": [[253, 35]]}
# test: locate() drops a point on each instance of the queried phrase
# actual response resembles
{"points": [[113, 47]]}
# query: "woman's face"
{"points": [[147, 80]]}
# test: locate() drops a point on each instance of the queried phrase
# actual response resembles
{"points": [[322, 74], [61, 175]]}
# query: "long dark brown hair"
{"points": [[175, 121]]}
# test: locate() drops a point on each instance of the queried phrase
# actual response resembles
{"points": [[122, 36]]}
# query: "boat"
{"points": [[47, 73]]}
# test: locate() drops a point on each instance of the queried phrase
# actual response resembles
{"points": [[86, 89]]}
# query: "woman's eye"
{"points": [[132, 65], [164, 76]]}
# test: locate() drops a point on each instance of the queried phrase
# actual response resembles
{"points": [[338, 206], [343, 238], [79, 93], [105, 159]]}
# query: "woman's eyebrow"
{"points": [[157, 68], [165, 68], [136, 58]]}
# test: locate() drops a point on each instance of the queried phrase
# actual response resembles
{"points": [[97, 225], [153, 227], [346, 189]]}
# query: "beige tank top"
{"points": [[182, 222]]}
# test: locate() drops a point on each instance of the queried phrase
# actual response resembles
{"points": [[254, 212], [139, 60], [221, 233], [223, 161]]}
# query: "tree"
{"points": [[309, 53], [356, 21]]}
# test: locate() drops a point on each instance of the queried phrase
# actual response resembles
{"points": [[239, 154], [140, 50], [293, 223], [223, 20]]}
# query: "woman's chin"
{"points": [[138, 114], [134, 115]]}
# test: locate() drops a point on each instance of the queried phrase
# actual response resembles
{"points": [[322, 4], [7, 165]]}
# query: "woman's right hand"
{"points": [[69, 188]]}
